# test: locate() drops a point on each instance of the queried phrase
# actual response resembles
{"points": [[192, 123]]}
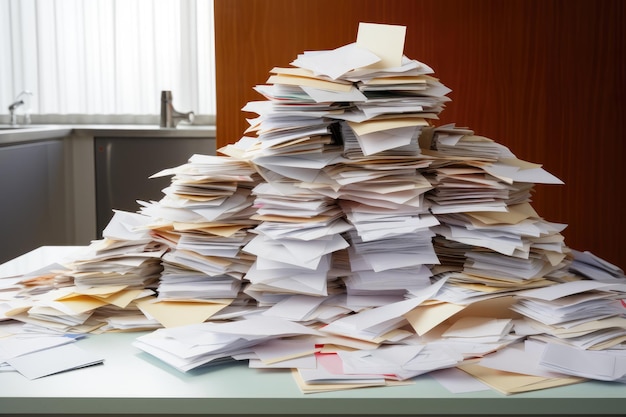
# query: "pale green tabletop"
{"points": [[131, 381]]}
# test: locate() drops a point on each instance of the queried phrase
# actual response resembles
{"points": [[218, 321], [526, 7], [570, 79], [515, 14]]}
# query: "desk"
{"points": [[131, 382]]}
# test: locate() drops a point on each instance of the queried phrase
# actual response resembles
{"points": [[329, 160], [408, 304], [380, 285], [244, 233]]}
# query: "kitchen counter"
{"points": [[26, 133], [183, 130], [10, 135], [72, 175]]}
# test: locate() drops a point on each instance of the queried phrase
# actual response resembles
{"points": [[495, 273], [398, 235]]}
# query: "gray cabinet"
{"points": [[124, 165], [33, 200]]}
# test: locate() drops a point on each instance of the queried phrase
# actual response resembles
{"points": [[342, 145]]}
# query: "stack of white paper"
{"points": [[583, 313], [591, 266], [489, 239], [187, 347], [473, 337], [298, 258], [204, 218], [126, 255], [377, 183]]}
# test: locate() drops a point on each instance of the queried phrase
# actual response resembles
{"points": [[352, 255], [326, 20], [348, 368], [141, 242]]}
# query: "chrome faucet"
{"points": [[17, 103], [12, 107], [169, 116]]}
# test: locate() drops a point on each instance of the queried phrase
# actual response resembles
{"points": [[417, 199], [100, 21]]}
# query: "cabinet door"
{"points": [[124, 166], [33, 203]]}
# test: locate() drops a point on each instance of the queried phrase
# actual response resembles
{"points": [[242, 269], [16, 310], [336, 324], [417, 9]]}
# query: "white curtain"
{"points": [[107, 57]]}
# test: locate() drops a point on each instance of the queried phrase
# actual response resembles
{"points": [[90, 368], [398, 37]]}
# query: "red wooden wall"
{"points": [[546, 78]]}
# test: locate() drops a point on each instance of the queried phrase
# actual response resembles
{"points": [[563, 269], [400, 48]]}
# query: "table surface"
{"points": [[130, 381]]}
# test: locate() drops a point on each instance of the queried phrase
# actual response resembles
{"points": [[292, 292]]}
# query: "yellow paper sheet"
{"points": [[303, 72], [515, 214], [82, 303], [427, 317], [372, 126], [418, 79], [224, 230], [179, 313], [511, 383], [308, 82], [385, 41], [102, 292], [121, 299]]}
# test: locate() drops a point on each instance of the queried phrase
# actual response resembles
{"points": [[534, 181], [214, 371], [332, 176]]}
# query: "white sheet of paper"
{"points": [[53, 360], [309, 255], [518, 360], [296, 307], [127, 226], [591, 259], [279, 351], [383, 360], [592, 364], [305, 362], [329, 370], [336, 62], [512, 173], [553, 292], [376, 142], [457, 381], [18, 345], [329, 96]]}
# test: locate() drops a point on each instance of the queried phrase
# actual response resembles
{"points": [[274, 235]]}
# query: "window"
{"points": [[107, 57]]}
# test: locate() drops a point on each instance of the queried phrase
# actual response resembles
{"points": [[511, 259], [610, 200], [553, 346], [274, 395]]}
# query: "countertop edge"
{"points": [[21, 134]]}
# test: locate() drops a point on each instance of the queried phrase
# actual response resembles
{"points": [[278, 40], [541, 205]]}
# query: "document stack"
{"points": [[490, 240], [204, 219], [131, 259], [98, 287], [347, 238], [587, 314], [342, 142]]}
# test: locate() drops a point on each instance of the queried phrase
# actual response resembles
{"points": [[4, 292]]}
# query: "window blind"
{"points": [[107, 57]]}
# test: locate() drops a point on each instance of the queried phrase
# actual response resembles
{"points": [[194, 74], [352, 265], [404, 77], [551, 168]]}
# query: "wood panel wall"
{"points": [[545, 78]]}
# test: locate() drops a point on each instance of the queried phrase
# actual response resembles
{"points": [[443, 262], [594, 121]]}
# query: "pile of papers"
{"points": [[205, 219], [94, 288], [349, 240]]}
